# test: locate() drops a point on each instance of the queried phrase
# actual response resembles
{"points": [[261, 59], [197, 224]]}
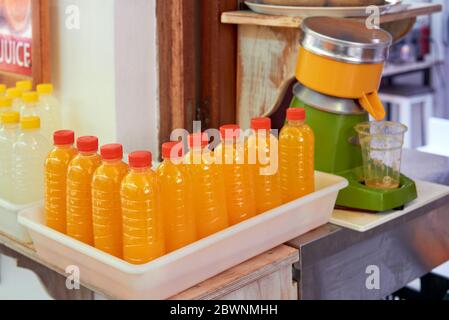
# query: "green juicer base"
{"points": [[358, 196], [337, 153]]}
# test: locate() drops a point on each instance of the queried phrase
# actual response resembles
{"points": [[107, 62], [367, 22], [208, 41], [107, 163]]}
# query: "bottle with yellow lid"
{"points": [[2, 90], [49, 109], [30, 105], [24, 86], [16, 96], [8, 136], [5, 104], [29, 153]]}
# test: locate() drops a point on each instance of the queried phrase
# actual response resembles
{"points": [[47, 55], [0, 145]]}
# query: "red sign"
{"points": [[15, 37]]}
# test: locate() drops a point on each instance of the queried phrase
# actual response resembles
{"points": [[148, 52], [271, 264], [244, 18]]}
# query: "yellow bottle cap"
{"points": [[11, 117], [30, 97], [30, 123], [5, 102], [24, 85], [13, 93], [45, 88], [2, 89]]}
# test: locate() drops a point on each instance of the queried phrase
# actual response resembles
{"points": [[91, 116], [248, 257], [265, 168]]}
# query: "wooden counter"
{"points": [[266, 277]]}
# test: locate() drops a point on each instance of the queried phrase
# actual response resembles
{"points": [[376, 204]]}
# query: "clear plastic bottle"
{"points": [[9, 130], [49, 109], [29, 154], [24, 86], [176, 198], [143, 220], [297, 156], [208, 187], [16, 96], [56, 167], [30, 106], [106, 205], [263, 157], [79, 190], [5, 105], [240, 197]]}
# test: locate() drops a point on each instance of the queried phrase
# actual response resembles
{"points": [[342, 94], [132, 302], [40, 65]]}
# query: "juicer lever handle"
{"points": [[373, 105]]}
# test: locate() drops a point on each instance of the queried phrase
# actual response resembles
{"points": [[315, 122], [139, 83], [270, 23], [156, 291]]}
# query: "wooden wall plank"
{"points": [[176, 22], [41, 41], [218, 63]]}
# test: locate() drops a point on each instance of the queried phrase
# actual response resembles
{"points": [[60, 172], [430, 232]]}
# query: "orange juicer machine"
{"points": [[339, 70]]}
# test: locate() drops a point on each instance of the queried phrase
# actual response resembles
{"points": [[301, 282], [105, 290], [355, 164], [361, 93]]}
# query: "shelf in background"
{"points": [[396, 69], [247, 17]]}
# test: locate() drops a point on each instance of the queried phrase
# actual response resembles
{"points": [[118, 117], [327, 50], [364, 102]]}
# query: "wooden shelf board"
{"points": [[245, 17], [232, 279]]}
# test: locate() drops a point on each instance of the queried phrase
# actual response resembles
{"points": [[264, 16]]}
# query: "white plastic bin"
{"points": [[178, 271], [9, 224]]}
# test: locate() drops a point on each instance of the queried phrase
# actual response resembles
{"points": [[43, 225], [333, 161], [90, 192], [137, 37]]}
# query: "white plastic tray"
{"points": [[178, 271], [8, 220]]}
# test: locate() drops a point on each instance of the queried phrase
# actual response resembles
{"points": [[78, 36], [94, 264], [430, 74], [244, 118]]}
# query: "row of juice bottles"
{"points": [[137, 214], [23, 143], [39, 103]]}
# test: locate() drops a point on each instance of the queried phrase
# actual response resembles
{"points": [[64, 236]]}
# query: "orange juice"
{"points": [[297, 155], [263, 157], [79, 190], [240, 199], [176, 198], [143, 225], [106, 205], [56, 167], [209, 196]]}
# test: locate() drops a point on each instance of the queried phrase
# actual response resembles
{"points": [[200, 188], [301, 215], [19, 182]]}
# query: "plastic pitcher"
{"points": [[382, 144]]}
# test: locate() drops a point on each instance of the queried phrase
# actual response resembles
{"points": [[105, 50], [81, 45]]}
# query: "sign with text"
{"points": [[16, 36]]}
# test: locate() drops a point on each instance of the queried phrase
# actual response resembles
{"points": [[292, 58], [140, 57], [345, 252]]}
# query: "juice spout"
{"points": [[373, 105]]}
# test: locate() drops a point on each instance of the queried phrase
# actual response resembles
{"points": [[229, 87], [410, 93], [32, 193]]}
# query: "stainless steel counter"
{"points": [[337, 263]]}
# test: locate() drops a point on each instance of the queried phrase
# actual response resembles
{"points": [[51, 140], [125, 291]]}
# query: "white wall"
{"points": [[136, 74], [83, 66], [105, 73]]}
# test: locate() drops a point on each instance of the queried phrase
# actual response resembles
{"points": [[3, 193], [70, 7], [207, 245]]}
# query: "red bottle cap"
{"points": [[140, 159], [112, 152], [296, 114], [198, 140], [87, 144], [261, 124], [172, 150], [230, 131], [63, 137]]}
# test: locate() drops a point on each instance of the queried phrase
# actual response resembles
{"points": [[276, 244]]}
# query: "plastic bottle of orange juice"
{"points": [[143, 221], [240, 197], [56, 167], [263, 157], [106, 205], [79, 190], [209, 196], [297, 155], [176, 198]]}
